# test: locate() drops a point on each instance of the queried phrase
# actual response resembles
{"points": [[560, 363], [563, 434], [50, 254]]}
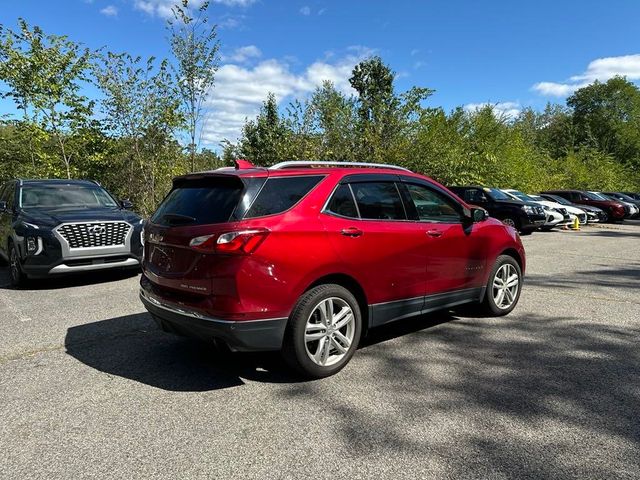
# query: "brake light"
{"points": [[239, 242]]}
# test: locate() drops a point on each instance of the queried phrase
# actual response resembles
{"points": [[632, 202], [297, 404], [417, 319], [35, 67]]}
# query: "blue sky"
{"points": [[510, 53]]}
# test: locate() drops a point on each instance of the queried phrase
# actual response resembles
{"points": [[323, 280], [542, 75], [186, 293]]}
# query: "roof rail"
{"points": [[295, 164]]}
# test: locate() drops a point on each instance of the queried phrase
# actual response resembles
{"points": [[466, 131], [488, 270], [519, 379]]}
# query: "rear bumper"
{"points": [[249, 335]]}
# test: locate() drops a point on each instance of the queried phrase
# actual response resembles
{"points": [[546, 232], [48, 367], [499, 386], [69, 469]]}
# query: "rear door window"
{"points": [[379, 201], [281, 193], [200, 202]]}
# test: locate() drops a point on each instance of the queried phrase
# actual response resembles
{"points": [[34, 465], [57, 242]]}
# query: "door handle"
{"points": [[434, 233], [351, 232]]}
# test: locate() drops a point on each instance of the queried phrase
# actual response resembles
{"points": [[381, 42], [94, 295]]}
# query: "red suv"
{"points": [[305, 257]]}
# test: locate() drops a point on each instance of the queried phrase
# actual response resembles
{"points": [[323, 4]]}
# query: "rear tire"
{"points": [[323, 331], [503, 288]]}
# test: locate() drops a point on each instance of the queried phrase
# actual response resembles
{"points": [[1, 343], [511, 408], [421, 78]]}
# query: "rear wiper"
{"points": [[176, 218]]}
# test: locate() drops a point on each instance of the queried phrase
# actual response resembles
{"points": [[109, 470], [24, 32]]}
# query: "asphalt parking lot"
{"points": [[89, 387]]}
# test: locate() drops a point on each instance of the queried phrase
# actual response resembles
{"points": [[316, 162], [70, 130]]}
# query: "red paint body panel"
{"points": [[390, 260]]}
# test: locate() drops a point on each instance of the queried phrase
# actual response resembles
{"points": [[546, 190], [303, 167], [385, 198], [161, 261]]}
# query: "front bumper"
{"points": [[249, 335], [54, 257]]}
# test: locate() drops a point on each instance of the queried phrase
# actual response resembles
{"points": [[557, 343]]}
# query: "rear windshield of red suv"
{"points": [[200, 202], [222, 199]]}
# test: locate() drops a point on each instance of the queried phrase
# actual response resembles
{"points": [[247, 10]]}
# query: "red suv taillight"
{"points": [[238, 242]]}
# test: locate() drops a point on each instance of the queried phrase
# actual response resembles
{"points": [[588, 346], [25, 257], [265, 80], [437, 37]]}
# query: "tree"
{"points": [[334, 118], [263, 139], [606, 116], [44, 74], [141, 110], [195, 47]]}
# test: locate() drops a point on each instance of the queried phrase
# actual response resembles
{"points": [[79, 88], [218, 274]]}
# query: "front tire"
{"points": [[323, 331], [17, 277], [503, 288]]}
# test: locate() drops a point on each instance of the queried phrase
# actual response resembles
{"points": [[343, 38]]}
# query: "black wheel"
{"points": [[16, 275], [503, 287], [323, 331]]}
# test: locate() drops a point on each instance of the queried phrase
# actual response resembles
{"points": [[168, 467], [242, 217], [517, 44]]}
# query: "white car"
{"points": [[554, 216], [571, 210]]}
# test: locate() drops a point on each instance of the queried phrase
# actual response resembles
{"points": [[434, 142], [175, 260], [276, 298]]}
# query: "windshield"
{"points": [[596, 196], [622, 196], [65, 196], [522, 196], [497, 194], [559, 199]]}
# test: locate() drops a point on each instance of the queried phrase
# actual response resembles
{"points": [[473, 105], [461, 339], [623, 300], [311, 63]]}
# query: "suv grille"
{"points": [[88, 235]]}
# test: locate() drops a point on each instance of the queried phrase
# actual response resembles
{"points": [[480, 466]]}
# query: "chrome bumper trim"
{"points": [[62, 268]]}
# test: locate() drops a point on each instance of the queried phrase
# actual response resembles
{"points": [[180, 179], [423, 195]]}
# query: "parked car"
{"points": [[615, 210], [573, 212], [52, 227], [594, 214], [305, 260], [634, 195], [555, 217], [523, 216], [627, 199], [629, 209]]}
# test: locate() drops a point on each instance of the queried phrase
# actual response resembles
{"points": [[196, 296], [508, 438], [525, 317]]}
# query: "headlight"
{"points": [[527, 209], [30, 225], [33, 245]]}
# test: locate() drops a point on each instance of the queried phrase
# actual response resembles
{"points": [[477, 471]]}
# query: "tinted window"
{"points": [[200, 202], [433, 206], [342, 202], [280, 194], [379, 201], [475, 195], [64, 195]]}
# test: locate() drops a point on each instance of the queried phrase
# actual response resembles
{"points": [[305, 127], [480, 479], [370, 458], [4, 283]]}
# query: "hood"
{"points": [[51, 217]]}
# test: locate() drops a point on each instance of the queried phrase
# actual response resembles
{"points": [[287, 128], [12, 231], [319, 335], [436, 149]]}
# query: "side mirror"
{"points": [[479, 215], [126, 204], [3, 207]]}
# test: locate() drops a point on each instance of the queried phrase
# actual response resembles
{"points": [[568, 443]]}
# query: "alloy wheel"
{"points": [[329, 331], [506, 283], [509, 222]]}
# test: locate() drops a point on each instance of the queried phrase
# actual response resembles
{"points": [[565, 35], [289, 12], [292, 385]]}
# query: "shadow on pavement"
{"points": [[133, 347], [572, 379]]}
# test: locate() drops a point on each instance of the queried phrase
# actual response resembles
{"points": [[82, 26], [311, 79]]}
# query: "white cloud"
{"points": [[506, 109], [162, 8], [240, 91], [601, 69], [109, 11], [242, 54], [306, 11]]}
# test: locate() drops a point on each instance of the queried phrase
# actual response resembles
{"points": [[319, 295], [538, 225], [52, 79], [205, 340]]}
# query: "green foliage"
{"points": [[535, 151], [133, 146], [44, 74], [606, 116]]}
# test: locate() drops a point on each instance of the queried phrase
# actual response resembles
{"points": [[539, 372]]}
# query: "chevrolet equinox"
{"points": [[305, 257]]}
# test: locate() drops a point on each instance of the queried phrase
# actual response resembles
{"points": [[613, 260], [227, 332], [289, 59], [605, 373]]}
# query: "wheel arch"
{"points": [[351, 284], [512, 252]]}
